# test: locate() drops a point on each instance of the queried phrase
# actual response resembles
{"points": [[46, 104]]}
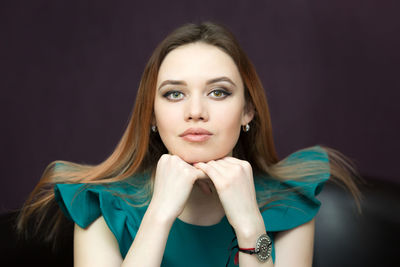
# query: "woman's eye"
{"points": [[219, 93], [173, 95]]}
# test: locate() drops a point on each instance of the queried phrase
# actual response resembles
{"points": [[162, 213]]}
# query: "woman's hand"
{"points": [[174, 179], [233, 180]]}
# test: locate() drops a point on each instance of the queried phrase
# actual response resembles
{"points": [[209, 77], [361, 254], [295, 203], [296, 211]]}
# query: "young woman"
{"points": [[195, 179]]}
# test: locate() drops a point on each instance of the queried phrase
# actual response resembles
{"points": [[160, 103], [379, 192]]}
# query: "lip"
{"points": [[196, 135]]}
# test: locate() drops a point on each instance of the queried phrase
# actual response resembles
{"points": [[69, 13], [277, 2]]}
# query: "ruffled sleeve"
{"points": [[84, 203], [294, 202]]}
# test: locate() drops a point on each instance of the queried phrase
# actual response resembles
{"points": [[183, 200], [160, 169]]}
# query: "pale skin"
{"points": [[198, 182]]}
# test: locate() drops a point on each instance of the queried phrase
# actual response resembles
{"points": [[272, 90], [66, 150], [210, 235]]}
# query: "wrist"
{"points": [[159, 216], [262, 249], [248, 234], [248, 239]]}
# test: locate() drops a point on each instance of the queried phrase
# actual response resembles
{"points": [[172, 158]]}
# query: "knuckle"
{"points": [[163, 157], [224, 185], [193, 178], [237, 168], [161, 161], [246, 164], [186, 171], [177, 160]]}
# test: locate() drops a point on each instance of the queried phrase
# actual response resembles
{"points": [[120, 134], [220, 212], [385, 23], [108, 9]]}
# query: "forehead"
{"points": [[197, 62]]}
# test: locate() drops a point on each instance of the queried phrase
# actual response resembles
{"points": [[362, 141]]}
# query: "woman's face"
{"points": [[199, 105]]}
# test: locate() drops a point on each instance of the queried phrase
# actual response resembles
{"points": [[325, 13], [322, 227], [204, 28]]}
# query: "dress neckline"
{"points": [[222, 222]]}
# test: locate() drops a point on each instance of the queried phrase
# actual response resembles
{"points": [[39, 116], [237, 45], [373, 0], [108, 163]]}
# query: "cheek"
{"points": [[164, 117], [167, 121], [229, 116], [163, 113], [228, 122]]}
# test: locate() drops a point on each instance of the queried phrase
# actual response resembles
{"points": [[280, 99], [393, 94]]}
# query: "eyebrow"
{"points": [[215, 80]]}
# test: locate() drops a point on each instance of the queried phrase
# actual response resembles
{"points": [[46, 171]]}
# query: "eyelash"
{"points": [[169, 93], [222, 90]]}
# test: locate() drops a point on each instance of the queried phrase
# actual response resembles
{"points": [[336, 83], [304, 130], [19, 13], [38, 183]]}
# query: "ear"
{"points": [[248, 113]]}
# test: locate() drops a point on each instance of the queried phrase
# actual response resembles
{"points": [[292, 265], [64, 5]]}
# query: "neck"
{"points": [[202, 208]]}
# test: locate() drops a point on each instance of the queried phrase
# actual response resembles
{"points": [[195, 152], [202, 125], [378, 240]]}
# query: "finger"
{"points": [[234, 160], [245, 164], [200, 174], [230, 162], [221, 166], [209, 169]]}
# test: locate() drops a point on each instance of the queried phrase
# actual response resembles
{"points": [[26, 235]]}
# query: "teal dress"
{"points": [[187, 244]]}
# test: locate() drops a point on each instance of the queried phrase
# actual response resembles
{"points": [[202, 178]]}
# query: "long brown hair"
{"points": [[139, 149]]}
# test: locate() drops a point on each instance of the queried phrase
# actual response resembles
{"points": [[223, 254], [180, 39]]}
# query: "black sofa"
{"points": [[343, 236], [346, 238]]}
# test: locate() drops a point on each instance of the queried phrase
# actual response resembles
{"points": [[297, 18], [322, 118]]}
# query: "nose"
{"points": [[196, 109]]}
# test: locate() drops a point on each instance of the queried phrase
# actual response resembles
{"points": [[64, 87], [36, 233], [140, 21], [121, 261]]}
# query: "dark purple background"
{"points": [[70, 69]]}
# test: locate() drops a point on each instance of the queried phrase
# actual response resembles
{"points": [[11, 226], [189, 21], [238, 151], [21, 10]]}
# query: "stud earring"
{"points": [[153, 128], [246, 128]]}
